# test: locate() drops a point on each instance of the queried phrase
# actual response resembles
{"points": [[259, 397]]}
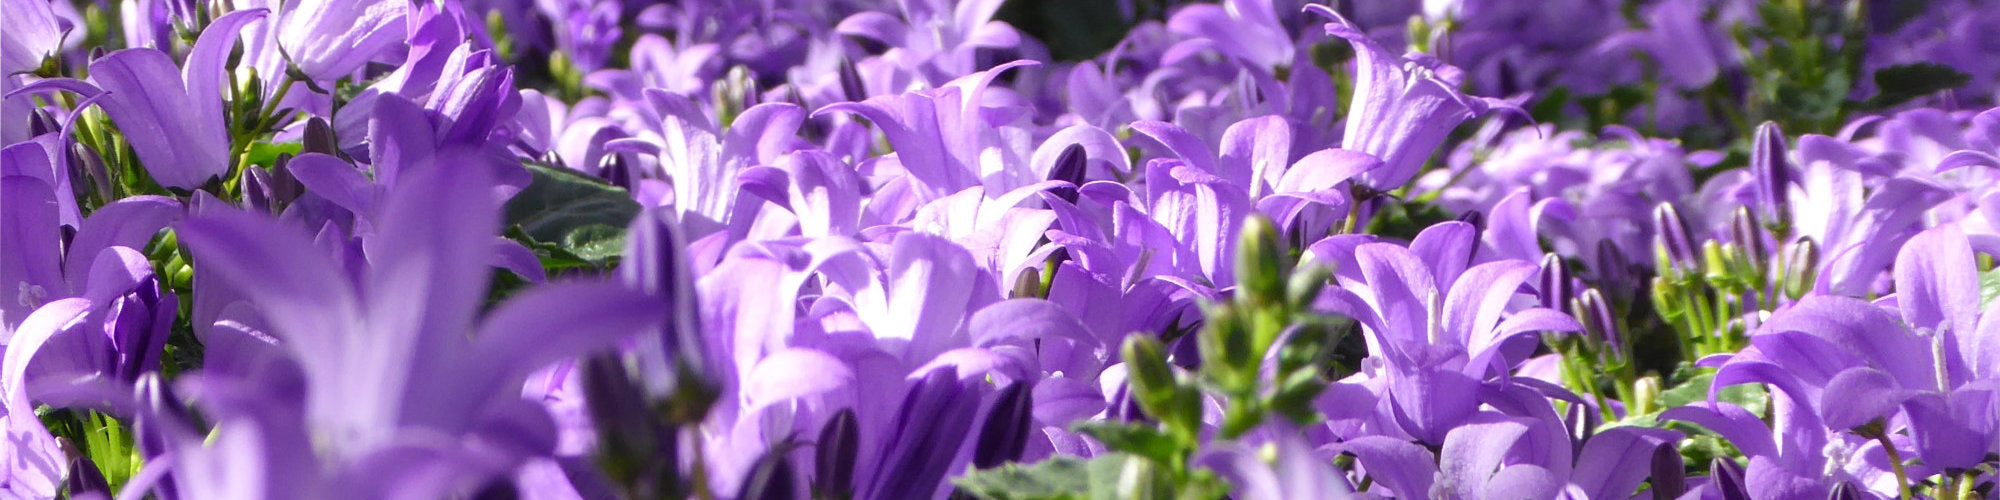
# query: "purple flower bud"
{"points": [[771, 478], [1070, 167], [92, 168], [1555, 288], [257, 194], [318, 138], [1599, 321], [1773, 173], [1750, 238], [1669, 471], [85, 481], [1670, 240], [1008, 424], [929, 431], [1728, 478], [852, 87], [833, 469], [1801, 268], [41, 122], [655, 264]]}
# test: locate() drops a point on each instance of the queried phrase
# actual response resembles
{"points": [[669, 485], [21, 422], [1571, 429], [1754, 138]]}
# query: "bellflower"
{"points": [[43, 264], [416, 298], [1403, 106], [35, 35], [329, 39], [1439, 324], [171, 114]]}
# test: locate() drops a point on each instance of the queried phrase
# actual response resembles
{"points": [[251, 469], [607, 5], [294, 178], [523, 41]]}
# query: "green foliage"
{"points": [[1902, 83], [584, 218]]}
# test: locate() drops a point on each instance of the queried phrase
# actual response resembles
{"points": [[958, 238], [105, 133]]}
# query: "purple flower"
{"points": [[365, 365], [1403, 106], [329, 39], [1439, 326], [171, 115]]}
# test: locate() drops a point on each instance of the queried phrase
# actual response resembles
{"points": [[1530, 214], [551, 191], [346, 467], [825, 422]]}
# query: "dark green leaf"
{"points": [[1137, 439], [1901, 83], [583, 216], [1058, 478]]}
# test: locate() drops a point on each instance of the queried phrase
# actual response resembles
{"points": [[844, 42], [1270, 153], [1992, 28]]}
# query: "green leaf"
{"points": [[1140, 440], [1989, 287], [1751, 397], [582, 215], [1058, 478], [1901, 83], [266, 154]]}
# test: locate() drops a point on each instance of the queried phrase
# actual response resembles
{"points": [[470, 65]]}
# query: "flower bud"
{"points": [[1151, 381], [1772, 171], [1261, 263], [1801, 268], [1749, 236], [256, 187], [1004, 435], [1665, 300], [318, 138], [1305, 285], [1645, 395], [1554, 287], [737, 91], [1069, 167], [1599, 321], [834, 454], [1669, 475], [852, 87], [771, 477], [92, 166], [1670, 240], [1715, 260]]}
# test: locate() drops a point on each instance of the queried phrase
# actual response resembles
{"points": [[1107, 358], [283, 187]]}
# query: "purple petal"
{"points": [[180, 145], [794, 373], [1863, 330], [1406, 468], [1859, 395], [1937, 285], [1743, 429], [1614, 462], [130, 222], [31, 268]]}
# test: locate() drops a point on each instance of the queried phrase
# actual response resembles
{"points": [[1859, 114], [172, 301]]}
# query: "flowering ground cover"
{"points": [[870, 249]]}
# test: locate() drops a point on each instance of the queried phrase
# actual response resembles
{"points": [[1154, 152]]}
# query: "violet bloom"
{"points": [[942, 136], [171, 115], [34, 33], [43, 264], [935, 40], [1248, 30], [1403, 107], [1440, 325], [362, 372], [99, 343], [329, 39]]}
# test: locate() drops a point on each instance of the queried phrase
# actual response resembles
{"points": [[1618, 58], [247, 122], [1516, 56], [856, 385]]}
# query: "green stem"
{"points": [[1895, 460]]}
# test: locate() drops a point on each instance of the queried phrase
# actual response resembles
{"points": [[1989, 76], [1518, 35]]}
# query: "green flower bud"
{"points": [[1151, 380], [1306, 283], [1261, 262], [1715, 262]]}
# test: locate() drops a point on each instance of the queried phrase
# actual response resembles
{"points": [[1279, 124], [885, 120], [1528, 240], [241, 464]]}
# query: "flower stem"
{"points": [[1896, 461]]}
